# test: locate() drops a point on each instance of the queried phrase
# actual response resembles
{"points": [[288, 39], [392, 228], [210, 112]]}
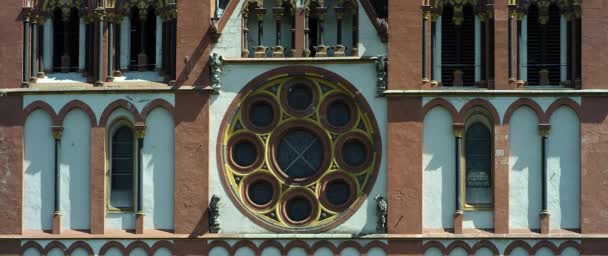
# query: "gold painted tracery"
{"points": [[360, 178]]}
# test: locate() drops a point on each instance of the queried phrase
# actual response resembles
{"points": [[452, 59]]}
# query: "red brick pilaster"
{"points": [[12, 119], [501, 178], [98, 174], [404, 177], [593, 44], [501, 46], [405, 45], [405, 248], [11, 44], [191, 163], [193, 42]]}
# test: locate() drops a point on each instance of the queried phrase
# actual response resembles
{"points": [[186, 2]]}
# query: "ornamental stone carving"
{"points": [[215, 63]]}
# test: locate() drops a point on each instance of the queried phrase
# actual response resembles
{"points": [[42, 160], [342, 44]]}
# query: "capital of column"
{"points": [[544, 129], [458, 130], [27, 14], [140, 131], [100, 14], [260, 13], [57, 132]]}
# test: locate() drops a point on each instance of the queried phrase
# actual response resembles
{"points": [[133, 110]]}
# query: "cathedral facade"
{"points": [[303, 127]]}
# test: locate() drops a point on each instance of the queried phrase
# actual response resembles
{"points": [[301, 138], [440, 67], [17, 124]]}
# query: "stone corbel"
{"points": [[381, 75], [215, 64]]}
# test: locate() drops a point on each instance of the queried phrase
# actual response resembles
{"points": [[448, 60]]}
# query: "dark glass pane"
{"points": [[337, 192], [544, 48], [338, 113], [122, 165], [122, 182], [260, 192], [478, 156], [298, 209], [261, 114], [244, 153], [123, 134], [299, 154], [354, 153], [299, 97], [458, 46]]}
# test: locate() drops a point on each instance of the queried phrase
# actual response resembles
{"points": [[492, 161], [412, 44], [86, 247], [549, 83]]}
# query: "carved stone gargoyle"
{"points": [[214, 215]]}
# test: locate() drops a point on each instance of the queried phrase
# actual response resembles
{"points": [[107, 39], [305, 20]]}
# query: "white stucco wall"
{"points": [[524, 170], [75, 171], [362, 76], [39, 174], [439, 176], [157, 166], [501, 245], [96, 245], [563, 170]]}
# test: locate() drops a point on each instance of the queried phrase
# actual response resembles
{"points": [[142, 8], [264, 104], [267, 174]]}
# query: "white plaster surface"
{"points": [[138, 252], [563, 170], [478, 219], [39, 175], [98, 102], [349, 251], [157, 166], [376, 252], [362, 76], [244, 251], [75, 170], [323, 251], [296, 252], [439, 176], [525, 170], [433, 252], [501, 246], [218, 251], [271, 251], [79, 252], [31, 252], [55, 252]]}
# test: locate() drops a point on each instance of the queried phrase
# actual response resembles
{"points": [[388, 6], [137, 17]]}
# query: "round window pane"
{"points": [[260, 192], [299, 97], [261, 114], [299, 154], [298, 209], [338, 113], [337, 192], [354, 153], [244, 153]]}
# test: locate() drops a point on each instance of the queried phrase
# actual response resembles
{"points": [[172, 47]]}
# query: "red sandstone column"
{"points": [[593, 44], [501, 178], [11, 169], [98, 137], [405, 45], [501, 46], [404, 192]]}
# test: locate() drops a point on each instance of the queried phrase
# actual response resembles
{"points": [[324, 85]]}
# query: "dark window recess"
{"points": [[458, 46], [337, 192], [65, 41], [123, 159], [261, 114], [313, 34], [381, 8], [354, 153], [544, 46], [260, 192], [299, 154], [299, 97], [478, 156], [338, 113], [244, 153], [143, 43], [298, 209]]}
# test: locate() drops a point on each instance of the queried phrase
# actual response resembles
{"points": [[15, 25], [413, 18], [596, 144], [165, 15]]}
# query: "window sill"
{"points": [[301, 60]]}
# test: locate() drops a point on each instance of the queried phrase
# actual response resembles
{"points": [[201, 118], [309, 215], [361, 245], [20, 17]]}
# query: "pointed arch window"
{"points": [[478, 163]]}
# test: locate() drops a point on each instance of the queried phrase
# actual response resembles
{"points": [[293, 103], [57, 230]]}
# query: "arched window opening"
{"points": [[478, 164], [65, 47], [143, 39], [462, 43], [122, 168], [544, 46]]}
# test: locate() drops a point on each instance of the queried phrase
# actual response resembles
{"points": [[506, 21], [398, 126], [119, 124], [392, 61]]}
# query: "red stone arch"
{"points": [[112, 244], [485, 244], [77, 104], [270, 243], [540, 114], [138, 244], [244, 243], [347, 244], [297, 244], [219, 243], [54, 245], [481, 103], [460, 244], [79, 245], [324, 244], [436, 245], [42, 106], [564, 102], [440, 102], [517, 244], [570, 244], [162, 244], [374, 244], [544, 244], [157, 103], [116, 105], [32, 245]]}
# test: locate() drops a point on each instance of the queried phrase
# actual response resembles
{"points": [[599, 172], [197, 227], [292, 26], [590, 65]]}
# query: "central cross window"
{"points": [[300, 154]]}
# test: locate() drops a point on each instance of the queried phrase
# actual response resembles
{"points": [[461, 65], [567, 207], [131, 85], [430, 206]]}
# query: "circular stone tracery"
{"points": [[301, 153]]}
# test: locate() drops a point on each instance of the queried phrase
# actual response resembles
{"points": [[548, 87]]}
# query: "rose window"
{"points": [[299, 153]]}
